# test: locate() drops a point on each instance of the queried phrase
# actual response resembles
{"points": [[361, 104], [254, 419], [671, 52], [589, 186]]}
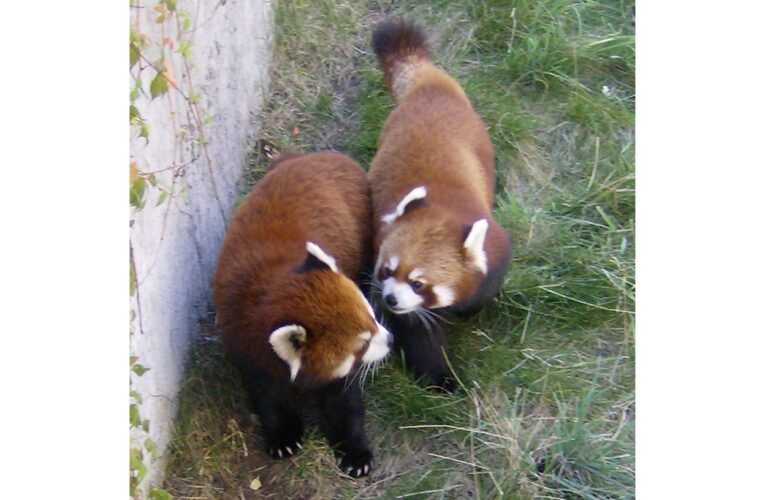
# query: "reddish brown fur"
{"points": [[433, 138], [322, 198]]}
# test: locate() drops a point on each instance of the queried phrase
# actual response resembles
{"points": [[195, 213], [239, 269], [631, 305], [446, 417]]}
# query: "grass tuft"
{"points": [[547, 404]]}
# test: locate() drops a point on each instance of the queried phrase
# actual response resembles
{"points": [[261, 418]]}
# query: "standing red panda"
{"points": [[437, 246], [292, 318]]}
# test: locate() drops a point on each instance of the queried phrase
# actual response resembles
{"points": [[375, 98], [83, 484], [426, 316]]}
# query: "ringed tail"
{"points": [[405, 59]]}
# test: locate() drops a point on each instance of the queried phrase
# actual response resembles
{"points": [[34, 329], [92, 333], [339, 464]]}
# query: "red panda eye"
{"points": [[416, 285]]}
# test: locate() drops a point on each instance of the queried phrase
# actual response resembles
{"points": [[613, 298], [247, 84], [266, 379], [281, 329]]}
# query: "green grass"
{"points": [[547, 405]]}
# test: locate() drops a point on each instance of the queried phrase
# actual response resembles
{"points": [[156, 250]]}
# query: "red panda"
{"points": [[291, 316], [437, 246]]}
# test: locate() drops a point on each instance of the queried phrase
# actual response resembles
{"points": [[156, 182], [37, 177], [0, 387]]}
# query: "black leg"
{"points": [[424, 349], [342, 420], [275, 403]]}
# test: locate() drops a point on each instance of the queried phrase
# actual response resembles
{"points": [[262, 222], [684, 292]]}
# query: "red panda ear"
{"points": [[317, 259], [415, 198], [473, 244], [288, 342]]}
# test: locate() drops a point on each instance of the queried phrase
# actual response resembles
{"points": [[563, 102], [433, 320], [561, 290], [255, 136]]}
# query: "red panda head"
{"points": [[426, 259], [324, 328]]}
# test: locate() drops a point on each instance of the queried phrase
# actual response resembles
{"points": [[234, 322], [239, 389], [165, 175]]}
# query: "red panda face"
{"points": [[426, 261], [326, 328]]}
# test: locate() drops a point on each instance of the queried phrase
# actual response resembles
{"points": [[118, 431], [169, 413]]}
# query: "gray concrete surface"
{"points": [[175, 245]]}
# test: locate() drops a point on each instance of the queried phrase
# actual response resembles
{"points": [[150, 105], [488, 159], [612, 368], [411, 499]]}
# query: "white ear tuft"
{"points": [[287, 341], [320, 254], [474, 244], [417, 193]]}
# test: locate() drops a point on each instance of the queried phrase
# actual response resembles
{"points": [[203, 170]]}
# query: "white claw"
{"points": [[366, 469], [358, 472], [289, 450], [299, 445], [279, 451]]}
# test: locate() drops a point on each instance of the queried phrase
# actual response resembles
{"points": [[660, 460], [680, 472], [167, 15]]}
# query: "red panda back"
{"points": [[321, 198]]}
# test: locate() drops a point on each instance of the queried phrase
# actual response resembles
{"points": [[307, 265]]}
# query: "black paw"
{"points": [[284, 449], [447, 384], [268, 149], [439, 383], [356, 464]]}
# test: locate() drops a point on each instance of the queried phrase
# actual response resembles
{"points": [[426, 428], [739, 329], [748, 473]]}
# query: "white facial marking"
{"points": [[294, 369], [474, 244], [417, 193], [393, 263], [320, 254], [378, 345], [416, 274], [345, 367], [444, 295], [406, 299], [366, 303], [283, 341], [365, 336]]}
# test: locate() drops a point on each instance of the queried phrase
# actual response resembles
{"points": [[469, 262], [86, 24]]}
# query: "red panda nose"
{"points": [[390, 299]]}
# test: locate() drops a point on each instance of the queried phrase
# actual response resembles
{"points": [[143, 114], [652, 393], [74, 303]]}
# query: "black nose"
{"points": [[390, 299]]}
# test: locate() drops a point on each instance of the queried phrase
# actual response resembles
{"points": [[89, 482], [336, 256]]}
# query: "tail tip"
{"points": [[399, 37]]}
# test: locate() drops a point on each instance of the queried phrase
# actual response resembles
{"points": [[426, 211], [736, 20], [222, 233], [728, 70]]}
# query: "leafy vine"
{"points": [[155, 60]]}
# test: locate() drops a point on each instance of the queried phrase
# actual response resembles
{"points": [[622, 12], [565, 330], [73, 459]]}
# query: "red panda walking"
{"points": [[437, 245], [291, 317]]}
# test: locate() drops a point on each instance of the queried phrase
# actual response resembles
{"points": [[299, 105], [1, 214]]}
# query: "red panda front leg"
{"points": [[342, 420], [275, 405], [424, 349]]}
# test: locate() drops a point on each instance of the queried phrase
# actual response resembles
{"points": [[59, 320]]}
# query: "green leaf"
{"points": [[133, 359], [144, 131], [135, 418], [139, 369], [152, 180], [136, 191], [137, 396], [170, 4], [135, 115], [136, 90], [134, 55], [145, 425], [162, 198], [136, 464], [184, 48], [156, 494], [149, 446], [158, 86], [185, 20]]}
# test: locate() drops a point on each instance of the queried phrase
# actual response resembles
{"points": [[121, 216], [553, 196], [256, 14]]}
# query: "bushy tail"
{"points": [[400, 47]]}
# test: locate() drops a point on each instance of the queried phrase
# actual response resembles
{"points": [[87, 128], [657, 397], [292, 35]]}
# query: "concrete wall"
{"points": [[175, 245]]}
